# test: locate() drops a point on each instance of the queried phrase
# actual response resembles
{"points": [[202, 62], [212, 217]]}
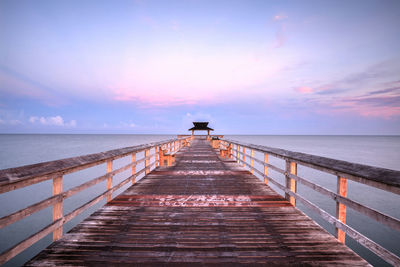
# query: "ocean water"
{"points": [[18, 150]]}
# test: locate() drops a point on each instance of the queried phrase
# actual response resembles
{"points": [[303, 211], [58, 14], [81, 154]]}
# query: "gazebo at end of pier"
{"points": [[200, 126]]}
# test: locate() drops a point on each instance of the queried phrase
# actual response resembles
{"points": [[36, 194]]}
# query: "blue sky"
{"points": [[248, 67]]}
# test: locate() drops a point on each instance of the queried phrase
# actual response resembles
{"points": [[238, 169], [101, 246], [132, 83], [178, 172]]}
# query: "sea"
{"points": [[23, 149]]}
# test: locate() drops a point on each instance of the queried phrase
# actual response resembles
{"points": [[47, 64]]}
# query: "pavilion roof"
{"points": [[200, 126]]}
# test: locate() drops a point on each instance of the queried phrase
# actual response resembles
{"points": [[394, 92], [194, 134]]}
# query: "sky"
{"points": [[153, 67]]}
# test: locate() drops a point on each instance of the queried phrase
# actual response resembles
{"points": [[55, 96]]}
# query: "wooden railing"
{"points": [[384, 179], [15, 178]]}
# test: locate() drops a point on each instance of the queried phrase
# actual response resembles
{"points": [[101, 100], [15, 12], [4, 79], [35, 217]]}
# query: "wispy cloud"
{"points": [[385, 107], [128, 124], [391, 90], [52, 121], [280, 37], [371, 77], [150, 99], [149, 21], [330, 90], [280, 16], [280, 34], [10, 122], [13, 83], [175, 25], [304, 90]]}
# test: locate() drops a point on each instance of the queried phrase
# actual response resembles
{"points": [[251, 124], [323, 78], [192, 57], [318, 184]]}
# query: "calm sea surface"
{"points": [[18, 150]]}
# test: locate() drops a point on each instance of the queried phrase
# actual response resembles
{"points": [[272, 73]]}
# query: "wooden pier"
{"points": [[199, 203], [203, 210]]}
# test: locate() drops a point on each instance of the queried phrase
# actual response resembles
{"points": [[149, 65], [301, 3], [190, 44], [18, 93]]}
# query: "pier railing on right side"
{"points": [[385, 179]]}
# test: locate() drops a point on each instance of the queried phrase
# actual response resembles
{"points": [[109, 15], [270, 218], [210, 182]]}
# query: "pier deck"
{"points": [[204, 210]]}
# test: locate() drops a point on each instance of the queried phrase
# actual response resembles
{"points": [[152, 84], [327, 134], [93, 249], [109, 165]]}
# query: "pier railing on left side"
{"points": [[385, 179], [158, 153]]}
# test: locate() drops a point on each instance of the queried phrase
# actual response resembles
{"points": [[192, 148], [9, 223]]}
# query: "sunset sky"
{"points": [[248, 67]]}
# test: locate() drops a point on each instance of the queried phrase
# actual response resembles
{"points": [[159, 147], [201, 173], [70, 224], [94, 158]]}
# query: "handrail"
{"points": [[14, 178], [381, 178], [386, 179]]}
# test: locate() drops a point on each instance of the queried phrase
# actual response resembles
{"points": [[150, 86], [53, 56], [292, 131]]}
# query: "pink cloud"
{"points": [[371, 111], [190, 77], [378, 107], [146, 98], [15, 86], [149, 21], [175, 26], [304, 90], [280, 17], [12, 83], [280, 37]]}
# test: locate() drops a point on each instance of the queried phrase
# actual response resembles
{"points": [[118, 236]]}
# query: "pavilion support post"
{"points": [[252, 161], [291, 184], [133, 168], [109, 179], [229, 151], [265, 168], [147, 161], [341, 208], [58, 207]]}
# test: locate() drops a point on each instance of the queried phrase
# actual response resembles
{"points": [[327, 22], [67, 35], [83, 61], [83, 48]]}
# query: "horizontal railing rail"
{"points": [[15, 178], [381, 178]]}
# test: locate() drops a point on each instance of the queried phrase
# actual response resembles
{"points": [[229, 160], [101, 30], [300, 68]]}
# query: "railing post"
{"points": [[291, 184], [156, 156], [58, 207], [265, 168], [146, 161], [341, 208], [244, 156], [133, 168], [160, 156], [109, 179], [237, 153], [252, 161]]}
